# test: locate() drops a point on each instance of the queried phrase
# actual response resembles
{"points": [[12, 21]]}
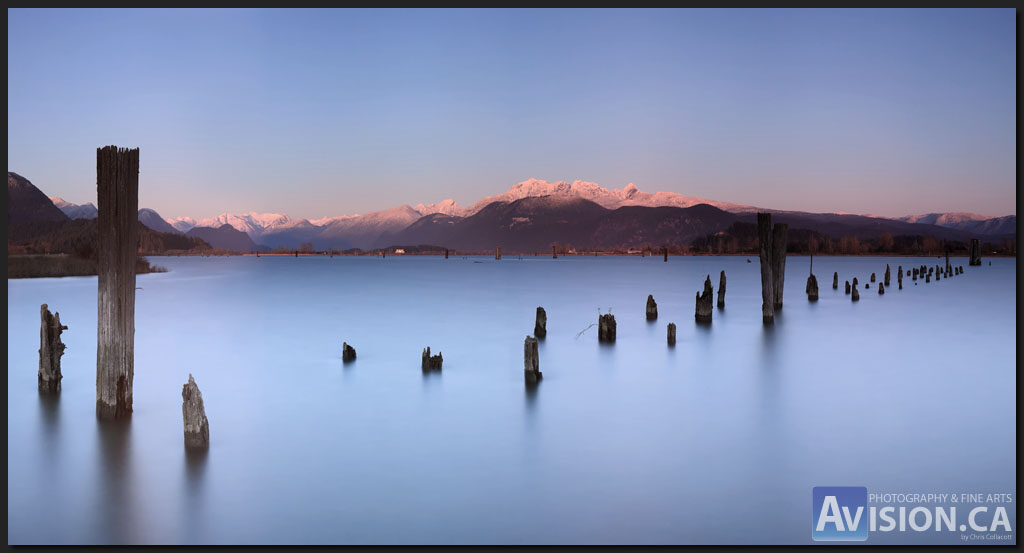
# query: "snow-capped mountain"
{"points": [[183, 224], [75, 211], [604, 197], [971, 222], [445, 207]]}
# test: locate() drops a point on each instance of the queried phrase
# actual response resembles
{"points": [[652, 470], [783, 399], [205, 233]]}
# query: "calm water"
{"points": [[717, 440]]}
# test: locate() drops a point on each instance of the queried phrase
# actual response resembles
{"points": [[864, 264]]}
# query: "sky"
{"points": [[323, 113]]}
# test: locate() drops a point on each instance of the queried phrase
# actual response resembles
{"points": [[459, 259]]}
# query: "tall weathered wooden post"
{"points": [[835, 280], [764, 238], [975, 252], [651, 310], [50, 350], [721, 290], [702, 308], [887, 275], [531, 361], [779, 233], [665, 251], [117, 193]]}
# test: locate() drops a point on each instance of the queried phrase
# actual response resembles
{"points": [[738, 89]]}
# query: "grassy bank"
{"points": [[62, 265]]}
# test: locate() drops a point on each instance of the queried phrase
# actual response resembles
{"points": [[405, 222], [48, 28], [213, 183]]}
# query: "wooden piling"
{"points": [[497, 252], [721, 290], [702, 310], [431, 362], [193, 412], [531, 360], [671, 334], [50, 350], [855, 295], [606, 328], [665, 251], [348, 353], [554, 253], [881, 288], [117, 194], [764, 237], [835, 281], [540, 327], [779, 233], [887, 276], [652, 308], [975, 252], [847, 286], [812, 288], [872, 277]]}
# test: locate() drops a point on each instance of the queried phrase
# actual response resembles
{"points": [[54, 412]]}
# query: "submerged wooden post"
{"points": [[872, 277], [665, 251], [764, 238], [50, 350], [881, 289], [652, 308], [671, 334], [554, 253], [531, 360], [606, 328], [887, 275], [847, 286], [721, 290], [899, 277], [431, 362], [197, 427], [117, 194], [348, 353], [497, 252], [855, 295], [702, 311], [835, 280], [446, 253], [854, 282], [540, 327], [975, 252]]}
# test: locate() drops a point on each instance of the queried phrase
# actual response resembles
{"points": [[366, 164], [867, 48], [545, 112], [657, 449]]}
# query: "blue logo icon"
{"points": [[839, 513]]}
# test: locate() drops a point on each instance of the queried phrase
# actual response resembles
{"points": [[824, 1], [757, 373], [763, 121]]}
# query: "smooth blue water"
{"points": [[718, 440]]}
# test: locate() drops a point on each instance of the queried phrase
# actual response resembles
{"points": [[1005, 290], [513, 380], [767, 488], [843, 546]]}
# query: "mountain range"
{"points": [[534, 214]]}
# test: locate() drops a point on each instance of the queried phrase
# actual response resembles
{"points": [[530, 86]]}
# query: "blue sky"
{"points": [[317, 113]]}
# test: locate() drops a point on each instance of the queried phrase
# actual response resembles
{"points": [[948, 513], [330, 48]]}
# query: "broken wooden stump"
{"points": [[872, 277], [665, 251], [855, 282], [855, 295], [652, 308], [50, 350], [540, 327], [606, 328], [899, 277], [348, 353], [702, 311], [835, 281], [531, 360], [117, 194], [554, 253], [881, 288], [721, 290], [671, 334], [887, 275], [197, 427], [847, 286], [431, 362], [975, 252], [812, 288]]}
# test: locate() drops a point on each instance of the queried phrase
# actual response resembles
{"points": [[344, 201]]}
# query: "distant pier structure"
{"points": [[117, 194]]}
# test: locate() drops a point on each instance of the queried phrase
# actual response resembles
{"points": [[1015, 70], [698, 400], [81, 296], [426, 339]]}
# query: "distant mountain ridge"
{"points": [[534, 213]]}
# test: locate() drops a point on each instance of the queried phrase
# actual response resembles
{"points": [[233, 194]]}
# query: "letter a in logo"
{"points": [[838, 513]]}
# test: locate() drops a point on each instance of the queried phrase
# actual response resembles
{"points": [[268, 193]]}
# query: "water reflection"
{"points": [[115, 504], [195, 475]]}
